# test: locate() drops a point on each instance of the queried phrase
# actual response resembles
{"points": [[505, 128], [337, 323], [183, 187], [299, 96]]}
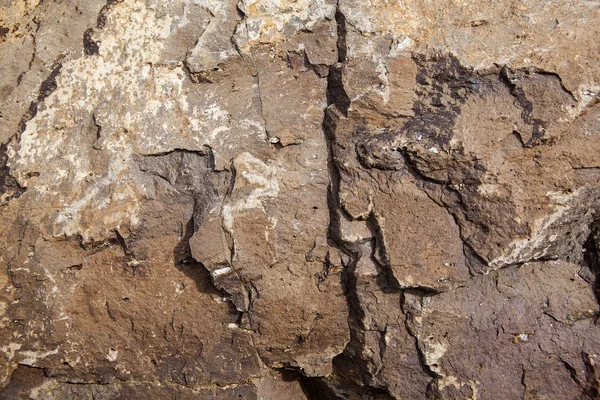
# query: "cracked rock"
{"points": [[311, 199]]}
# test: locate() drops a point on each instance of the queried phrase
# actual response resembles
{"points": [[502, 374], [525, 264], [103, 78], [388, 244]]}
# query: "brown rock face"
{"points": [[310, 199]]}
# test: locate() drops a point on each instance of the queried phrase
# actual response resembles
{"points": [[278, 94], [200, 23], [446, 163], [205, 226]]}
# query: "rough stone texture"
{"points": [[310, 199]]}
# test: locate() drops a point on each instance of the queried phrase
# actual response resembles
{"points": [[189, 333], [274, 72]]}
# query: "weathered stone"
{"points": [[324, 199], [499, 332]]}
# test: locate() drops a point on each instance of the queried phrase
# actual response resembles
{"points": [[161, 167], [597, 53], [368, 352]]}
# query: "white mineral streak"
{"points": [[10, 349], [433, 350], [221, 272], [250, 171], [541, 239], [30, 357], [266, 20]]}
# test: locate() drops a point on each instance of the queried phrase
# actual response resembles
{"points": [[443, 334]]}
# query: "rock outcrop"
{"points": [[309, 199]]}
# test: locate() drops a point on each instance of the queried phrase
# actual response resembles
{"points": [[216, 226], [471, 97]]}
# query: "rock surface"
{"points": [[310, 199]]}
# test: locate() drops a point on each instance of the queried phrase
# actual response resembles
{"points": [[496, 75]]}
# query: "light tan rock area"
{"points": [[299, 199]]}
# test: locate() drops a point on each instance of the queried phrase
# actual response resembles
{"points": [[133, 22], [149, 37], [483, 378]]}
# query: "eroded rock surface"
{"points": [[299, 199]]}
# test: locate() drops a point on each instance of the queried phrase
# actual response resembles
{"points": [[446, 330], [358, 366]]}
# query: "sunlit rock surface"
{"points": [[310, 199]]}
